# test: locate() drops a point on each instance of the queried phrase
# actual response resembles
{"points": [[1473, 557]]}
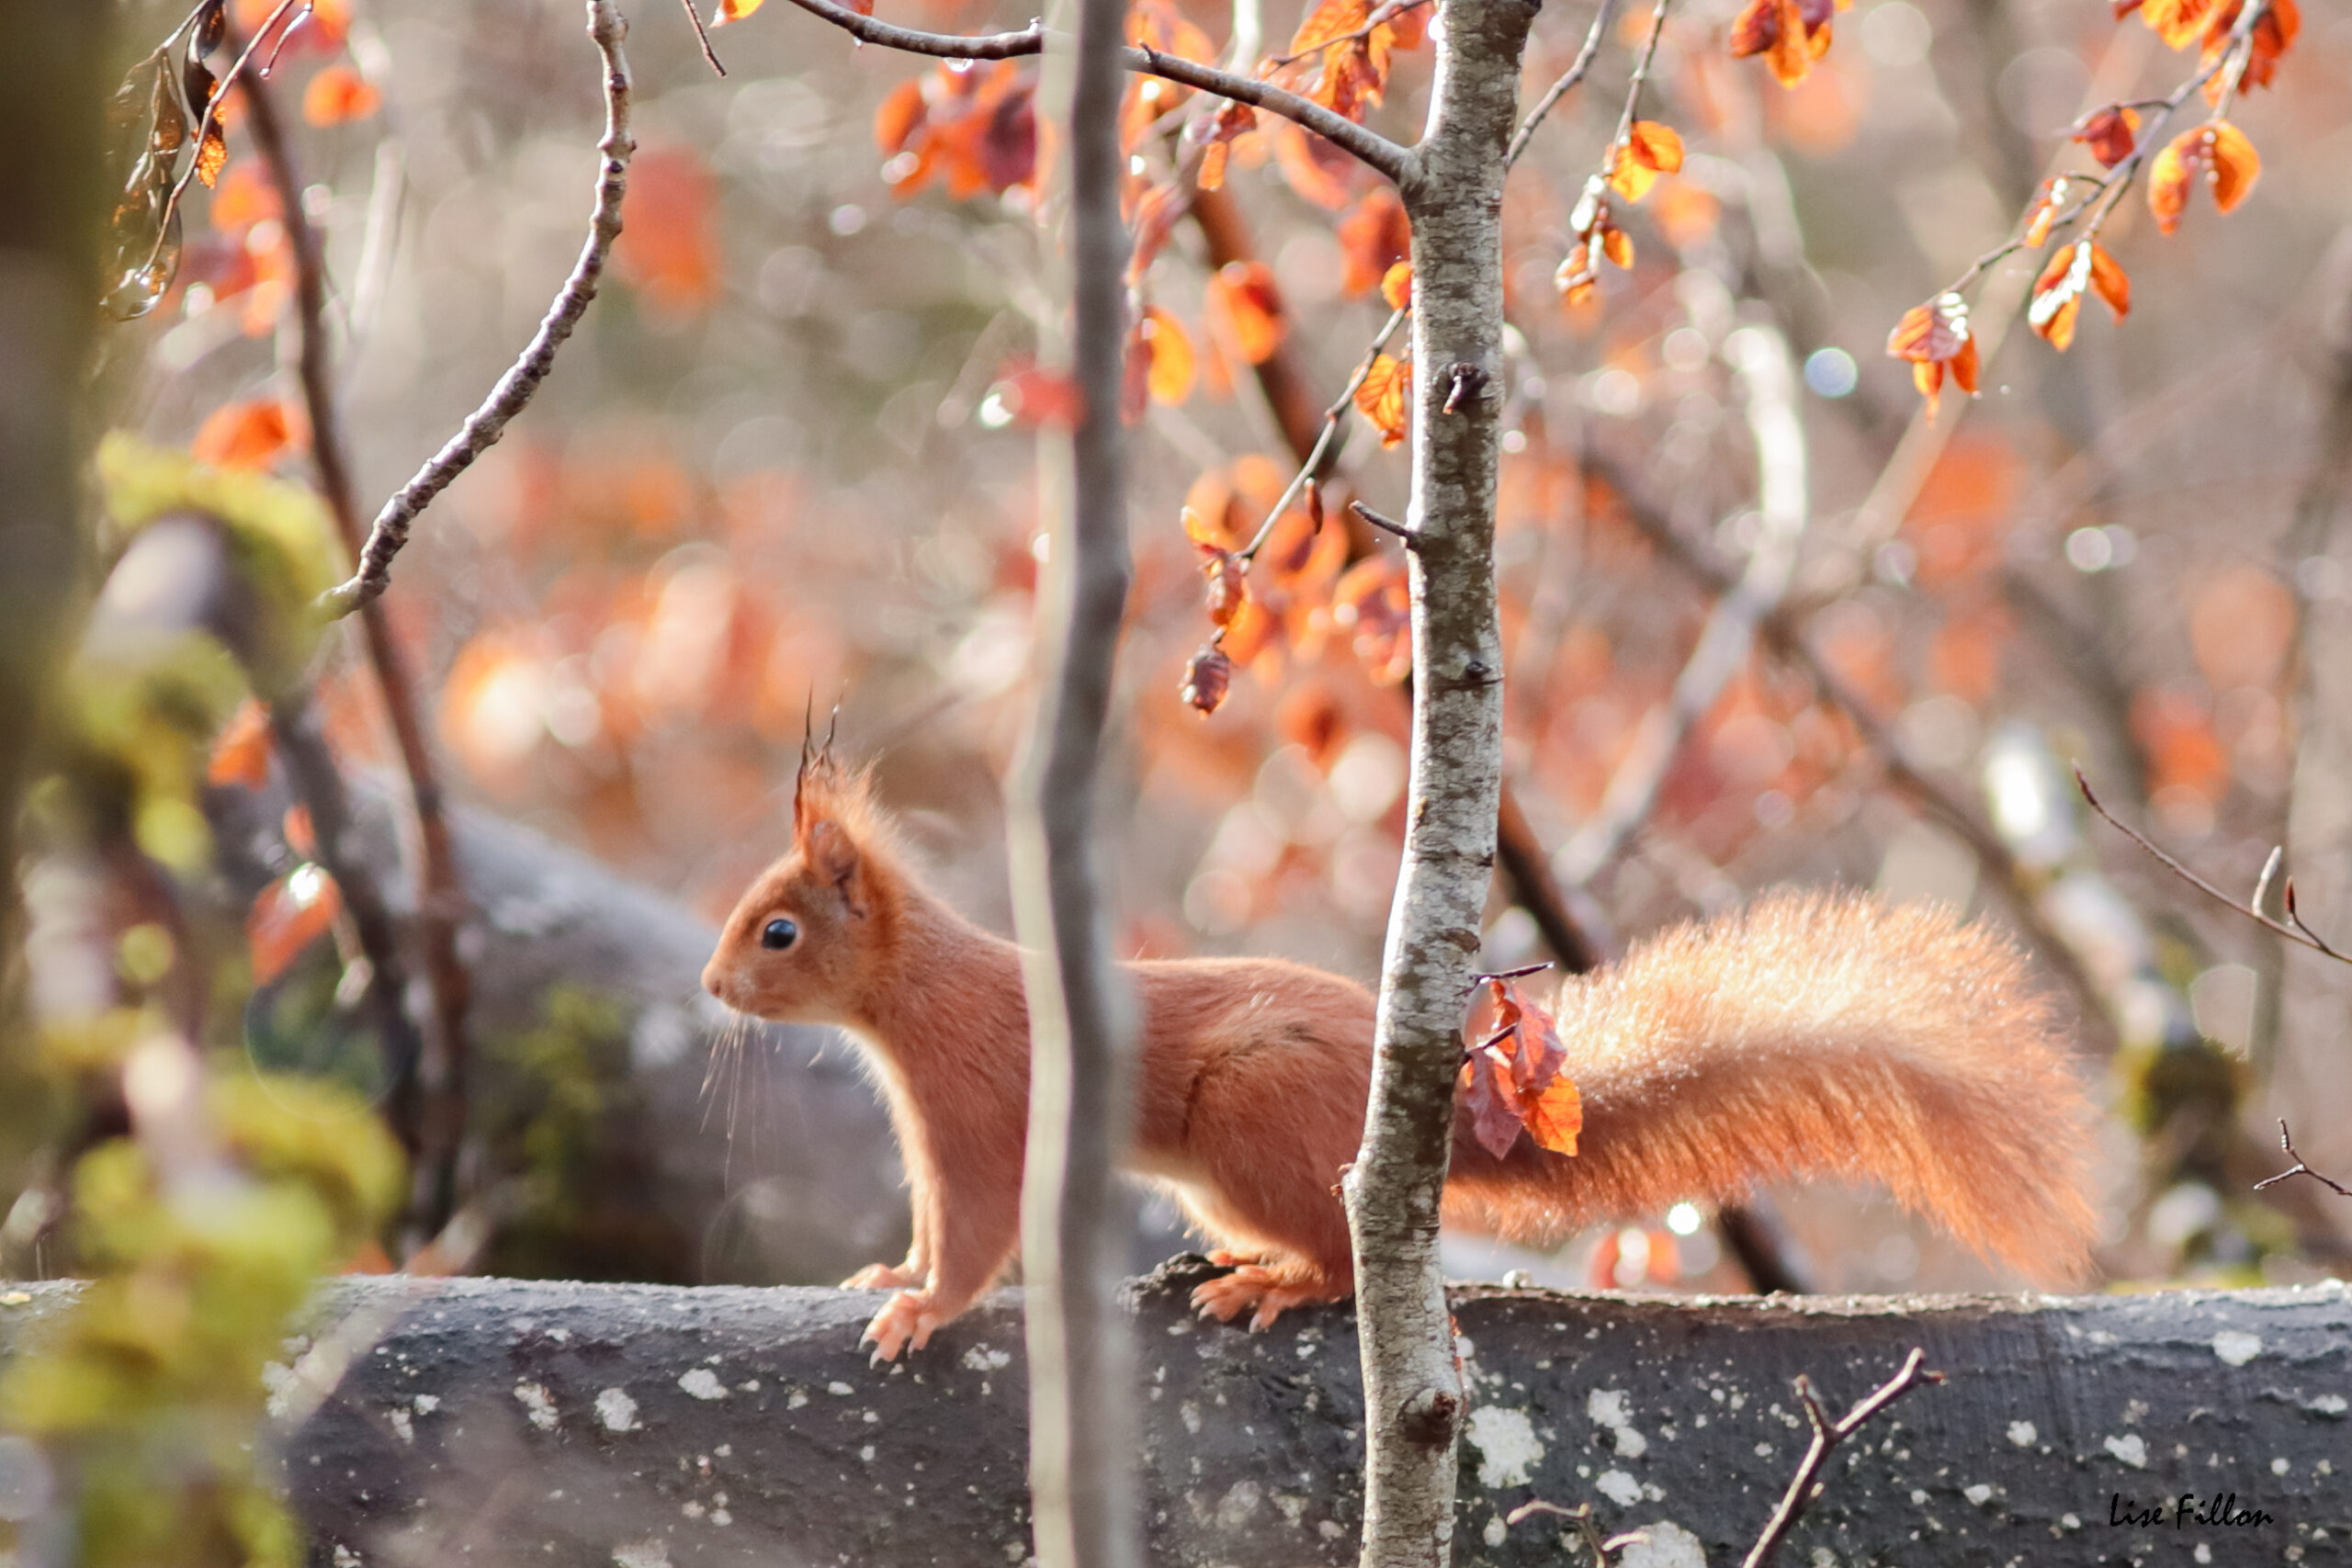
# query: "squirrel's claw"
{"points": [[1270, 1292], [906, 1318]]}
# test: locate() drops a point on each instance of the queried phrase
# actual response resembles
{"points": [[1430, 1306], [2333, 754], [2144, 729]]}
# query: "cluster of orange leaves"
{"points": [[1297, 593], [974, 126], [1790, 34], [1633, 165], [1935, 337], [1511, 1082], [1341, 55]]}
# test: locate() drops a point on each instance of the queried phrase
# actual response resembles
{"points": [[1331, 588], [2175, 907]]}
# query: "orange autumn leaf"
{"points": [[1222, 129], [1381, 397], [2274, 34], [241, 752], [1243, 299], [1373, 236], [2048, 202], [1397, 288], [2058, 293], [669, 248], [1170, 366], [2218, 150], [2179, 22], [287, 917], [1650, 149], [251, 434], [2109, 133], [1511, 1078], [1790, 34], [899, 116], [736, 10], [338, 94], [1936, 339]]}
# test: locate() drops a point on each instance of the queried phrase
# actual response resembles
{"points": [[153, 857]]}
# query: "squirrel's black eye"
{"points": [[779, 934]]}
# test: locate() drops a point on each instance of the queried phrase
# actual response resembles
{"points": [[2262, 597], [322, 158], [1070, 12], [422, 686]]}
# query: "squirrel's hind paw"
{"points": [[1270, 1290], [905, 1318]]}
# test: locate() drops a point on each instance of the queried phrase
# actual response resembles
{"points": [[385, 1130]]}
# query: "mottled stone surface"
{"points": [[496, 1421]]}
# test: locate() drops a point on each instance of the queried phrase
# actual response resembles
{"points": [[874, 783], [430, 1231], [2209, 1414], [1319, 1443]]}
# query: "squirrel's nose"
{"points": [[713, 981]]}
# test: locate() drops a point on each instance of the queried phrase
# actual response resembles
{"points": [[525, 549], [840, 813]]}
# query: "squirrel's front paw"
{"points": [[884, 1277], [905, 1317]]}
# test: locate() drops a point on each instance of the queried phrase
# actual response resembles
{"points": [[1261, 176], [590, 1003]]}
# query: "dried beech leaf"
{"points": [[1381, 398], [1207, 678], [1243, 297]]}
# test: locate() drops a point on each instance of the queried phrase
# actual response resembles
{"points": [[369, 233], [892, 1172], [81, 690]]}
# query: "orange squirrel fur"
{"points": [[1811, 1035]]}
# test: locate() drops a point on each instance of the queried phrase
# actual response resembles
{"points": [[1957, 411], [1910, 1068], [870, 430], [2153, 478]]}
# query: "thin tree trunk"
{"points": [[1413, 1394], [51, 121], [428, 1098], [1081, 1393]]}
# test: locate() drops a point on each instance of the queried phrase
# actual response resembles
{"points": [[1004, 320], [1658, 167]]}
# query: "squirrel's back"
{"points": [[1813, 1036]]}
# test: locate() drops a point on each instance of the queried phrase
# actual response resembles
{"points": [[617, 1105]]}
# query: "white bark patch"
{"points": [[1666, 1545], [1618, 1487], [1239, 1505], [539, 1404], [1508, 1450], [616, 1410], [641, 1554], [2131, 1449], [703, 1384], [1979, 1494], [2235, 1346], [982, 1359], [403, 1427], [2330, 1405], [1609, 1407], [2024, 1433]]}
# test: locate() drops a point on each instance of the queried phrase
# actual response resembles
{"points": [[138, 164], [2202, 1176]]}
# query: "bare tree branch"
{"points": [[1827, 1435], [2292, 928], [2287, 1142], [1370, 146], [1760, 354], [487, 423], [428, 1096], [1568, 79], [1082, 1016]]}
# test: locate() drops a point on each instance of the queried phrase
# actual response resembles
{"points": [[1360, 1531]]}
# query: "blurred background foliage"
{"points": [[790, 456]]}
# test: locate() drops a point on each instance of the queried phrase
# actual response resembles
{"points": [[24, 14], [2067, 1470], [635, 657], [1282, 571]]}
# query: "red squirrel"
{"points": [[1811, 1035]]}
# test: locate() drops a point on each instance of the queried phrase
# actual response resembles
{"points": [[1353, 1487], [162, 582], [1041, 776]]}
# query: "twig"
{"points": [[1395, 161], [437, 1098], [2292, 928], [1642, 72], [1568, 79], [1387, 525], [2287, 1144], [1806, 1486], [1310, 467], [1762, 358], [1586, 1531], [487, 423], [702, 35]]}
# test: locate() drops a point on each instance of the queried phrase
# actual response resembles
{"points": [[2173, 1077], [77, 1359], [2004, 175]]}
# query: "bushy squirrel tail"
{"points": [[1812, 1036]]}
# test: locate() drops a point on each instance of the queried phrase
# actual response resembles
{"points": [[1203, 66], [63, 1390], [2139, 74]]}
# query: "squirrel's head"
{"points": [[802, 944]]}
